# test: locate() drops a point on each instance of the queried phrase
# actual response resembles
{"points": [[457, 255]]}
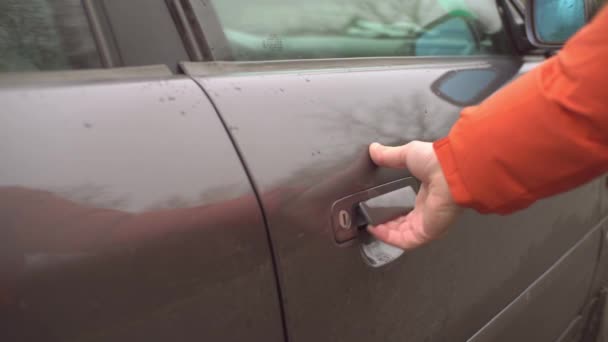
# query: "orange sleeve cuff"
{"points": [[458, 189]]}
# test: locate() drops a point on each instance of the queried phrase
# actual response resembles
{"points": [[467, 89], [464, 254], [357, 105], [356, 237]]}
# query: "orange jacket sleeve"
{"points": [[544, 133]]}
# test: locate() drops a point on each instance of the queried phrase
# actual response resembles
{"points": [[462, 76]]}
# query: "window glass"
{"points": [[45, 35], [290, 29]]}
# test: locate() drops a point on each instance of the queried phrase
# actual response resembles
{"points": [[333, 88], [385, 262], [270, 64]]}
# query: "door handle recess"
{"points": [[374, 206], [379, 210], [386, 207]]}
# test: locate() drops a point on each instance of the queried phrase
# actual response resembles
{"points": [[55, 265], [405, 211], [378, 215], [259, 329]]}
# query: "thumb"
{"points": [[386, 156]]}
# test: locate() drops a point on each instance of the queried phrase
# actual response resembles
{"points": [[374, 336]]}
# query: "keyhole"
{"points": [[344, 218]]}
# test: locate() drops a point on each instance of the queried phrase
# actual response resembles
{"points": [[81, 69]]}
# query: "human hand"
{"points": [[434, 209]]}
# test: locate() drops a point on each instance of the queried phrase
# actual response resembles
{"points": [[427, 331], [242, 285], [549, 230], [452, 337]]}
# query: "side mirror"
{"points": [[549, 23]]}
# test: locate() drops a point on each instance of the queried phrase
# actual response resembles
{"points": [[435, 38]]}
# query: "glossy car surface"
{"points": [[184, 191]]}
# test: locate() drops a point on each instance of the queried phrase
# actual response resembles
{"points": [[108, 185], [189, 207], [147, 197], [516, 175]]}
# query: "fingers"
{"points": [[434, 211], [405, 232], [429, 221], [386, 156]]}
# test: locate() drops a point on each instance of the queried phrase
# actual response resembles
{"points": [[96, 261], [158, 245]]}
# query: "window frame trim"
{"points": [[107, 48], [202, 33]]}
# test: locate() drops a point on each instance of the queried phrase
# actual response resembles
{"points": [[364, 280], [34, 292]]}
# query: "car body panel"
{"points": [[130, 211], [305, 131], [126, 215], [521, 319]]}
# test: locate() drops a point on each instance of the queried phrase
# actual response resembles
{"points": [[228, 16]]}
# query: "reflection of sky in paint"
{"points": [[132, 146], [557, 20]]}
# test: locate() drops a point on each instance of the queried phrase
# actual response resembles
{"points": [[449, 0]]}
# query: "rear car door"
{"points": [[125, 212], [302, 108]]}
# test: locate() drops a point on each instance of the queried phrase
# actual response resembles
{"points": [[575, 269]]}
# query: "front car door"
{"points": [[303, 127]]}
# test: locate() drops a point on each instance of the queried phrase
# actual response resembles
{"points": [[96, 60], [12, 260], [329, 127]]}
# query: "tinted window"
{"points": [[281, 29], [45, 35]]}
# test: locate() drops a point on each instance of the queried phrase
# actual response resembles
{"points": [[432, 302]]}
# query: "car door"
{"points": [[125, 212], [302, 109]]}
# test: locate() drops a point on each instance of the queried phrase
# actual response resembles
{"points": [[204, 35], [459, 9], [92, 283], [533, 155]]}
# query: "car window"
{"points": [[45, 35], [280, 29]]}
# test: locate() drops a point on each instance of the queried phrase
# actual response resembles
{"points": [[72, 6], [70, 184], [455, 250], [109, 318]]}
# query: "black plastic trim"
{"points": [[201, 30], [102, 33]]}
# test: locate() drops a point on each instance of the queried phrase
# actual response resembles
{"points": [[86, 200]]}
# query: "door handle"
{"points": [[379, 210], [352, 214], [387, 206]]}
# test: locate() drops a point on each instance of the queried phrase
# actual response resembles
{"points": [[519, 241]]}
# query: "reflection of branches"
{"points": [[44, 35], [73, 28], [33, 38], [399, 119], [395, 121]]}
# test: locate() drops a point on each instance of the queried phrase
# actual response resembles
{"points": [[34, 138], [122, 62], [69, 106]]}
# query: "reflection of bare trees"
{"points": [[72, 24], [404, 121], [29, 36], [44, 35], [396, 121]]}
